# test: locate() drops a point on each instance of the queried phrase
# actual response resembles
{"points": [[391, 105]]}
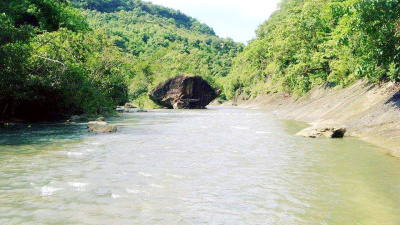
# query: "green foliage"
{"points": [[87, 73], [53, 62], [161, 46], [45, 55], [307, 43], [145, 9]]}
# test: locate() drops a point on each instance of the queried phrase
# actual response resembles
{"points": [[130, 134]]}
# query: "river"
{"points": [[214, 166]]}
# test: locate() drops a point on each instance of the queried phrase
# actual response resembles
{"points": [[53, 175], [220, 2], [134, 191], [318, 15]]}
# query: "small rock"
{"points": [[323, 131], [101, 127], [68, 122], [75, 118], [130, 106], [390, 85], [120, 109], [141, 111], [101, 119], [181, 105]]}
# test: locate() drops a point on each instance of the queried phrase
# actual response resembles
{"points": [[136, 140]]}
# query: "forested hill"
{"points": [[87, 56], [145, 8], [161, 42], [311, 42]]}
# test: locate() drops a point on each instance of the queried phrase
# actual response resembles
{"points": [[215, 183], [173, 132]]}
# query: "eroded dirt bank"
{"points": [[371, 112]]}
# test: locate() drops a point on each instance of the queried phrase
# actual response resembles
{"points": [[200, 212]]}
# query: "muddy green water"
{"points": [[215, 166]]}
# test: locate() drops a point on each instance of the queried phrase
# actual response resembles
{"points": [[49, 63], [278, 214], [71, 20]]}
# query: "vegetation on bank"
{"points": [[64, 57], [311, 42], [87, 56], [51, 63]]}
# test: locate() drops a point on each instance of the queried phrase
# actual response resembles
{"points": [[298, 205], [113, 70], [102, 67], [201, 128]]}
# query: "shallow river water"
{"points": [[215, 166]]}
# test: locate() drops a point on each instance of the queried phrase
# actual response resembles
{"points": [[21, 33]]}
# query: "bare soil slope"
{"points": [[370, 112]]}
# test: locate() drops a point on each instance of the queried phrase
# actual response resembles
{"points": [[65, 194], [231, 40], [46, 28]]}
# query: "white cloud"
{"points": [[229, 18]]}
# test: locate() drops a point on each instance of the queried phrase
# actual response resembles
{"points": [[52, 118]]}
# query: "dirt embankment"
{"points": [[371, 112]]}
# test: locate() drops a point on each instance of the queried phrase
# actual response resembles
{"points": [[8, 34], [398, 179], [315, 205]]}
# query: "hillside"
{"points": [[88, 56], [162, 43], [312, 42]]}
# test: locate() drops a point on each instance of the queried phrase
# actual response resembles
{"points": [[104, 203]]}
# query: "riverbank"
{"points": [[370, 112]]}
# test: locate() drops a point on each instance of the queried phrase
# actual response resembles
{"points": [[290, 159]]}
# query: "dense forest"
{"points": [[88, 56], [310, 42]]}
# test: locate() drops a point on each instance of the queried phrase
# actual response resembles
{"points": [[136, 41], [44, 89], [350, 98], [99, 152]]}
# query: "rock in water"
{"points": [[184, 92], [75, 118], [101, 119], [323, 131], [101, 127], [129, 106]]}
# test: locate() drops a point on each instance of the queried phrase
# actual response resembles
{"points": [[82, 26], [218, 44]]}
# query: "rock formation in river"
{"points": [[323, 131], [184, 92]]}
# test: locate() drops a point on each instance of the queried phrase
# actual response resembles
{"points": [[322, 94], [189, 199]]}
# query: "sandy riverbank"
{"points": [[370, 112]]}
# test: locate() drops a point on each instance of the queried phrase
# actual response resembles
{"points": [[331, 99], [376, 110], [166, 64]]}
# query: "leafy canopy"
{"points": [[311, 42]]}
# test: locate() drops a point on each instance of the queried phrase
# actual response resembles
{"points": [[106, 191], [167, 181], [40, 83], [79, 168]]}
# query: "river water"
{"points": [[215, 166]]}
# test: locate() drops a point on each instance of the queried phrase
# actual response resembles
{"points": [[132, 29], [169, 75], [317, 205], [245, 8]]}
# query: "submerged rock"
{"points": [[101, 127], [184, 92], [323, 131]]}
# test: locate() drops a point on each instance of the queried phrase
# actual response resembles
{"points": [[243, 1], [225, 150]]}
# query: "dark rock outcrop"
{"points": [[184, 92]]}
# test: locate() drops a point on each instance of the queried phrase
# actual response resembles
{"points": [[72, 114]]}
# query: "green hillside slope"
{"points": [[162, 43], [310, 42]]}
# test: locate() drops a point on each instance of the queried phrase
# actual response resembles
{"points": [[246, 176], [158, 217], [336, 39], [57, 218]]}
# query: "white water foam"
{"points": [[75, 154], [48, 190], [145, 174], [241, 128], [114, 196], [77, 184]]}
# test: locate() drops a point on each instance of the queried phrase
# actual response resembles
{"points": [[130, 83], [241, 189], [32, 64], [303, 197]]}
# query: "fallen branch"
{"points": [[51, 60]]}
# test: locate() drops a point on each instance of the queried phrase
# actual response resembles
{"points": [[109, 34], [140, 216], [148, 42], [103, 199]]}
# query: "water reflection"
{"points": [[40, 133]]}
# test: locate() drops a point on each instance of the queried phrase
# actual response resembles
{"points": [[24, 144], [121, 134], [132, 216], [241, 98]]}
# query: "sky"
{"points": [[237, 19]]}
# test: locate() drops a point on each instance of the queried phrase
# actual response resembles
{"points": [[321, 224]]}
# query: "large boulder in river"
{"points": [[101, 127], [184, 92], [323, 131]]}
